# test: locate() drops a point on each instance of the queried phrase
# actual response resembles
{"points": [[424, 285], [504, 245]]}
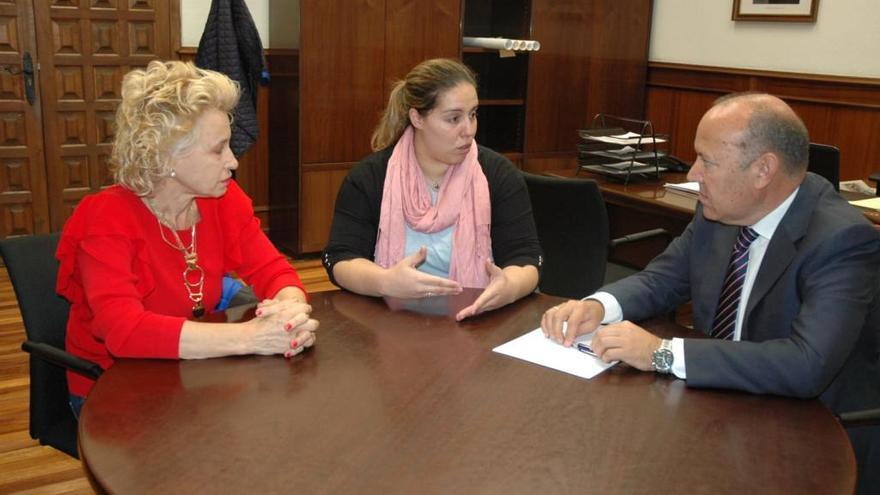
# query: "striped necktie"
{"points": [[728, 303]]}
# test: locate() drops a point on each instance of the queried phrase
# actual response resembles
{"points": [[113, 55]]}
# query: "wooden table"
{"points": [[399, 401]]}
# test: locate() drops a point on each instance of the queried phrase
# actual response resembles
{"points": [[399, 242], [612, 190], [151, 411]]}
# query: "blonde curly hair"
{"points": [[157, 118]]}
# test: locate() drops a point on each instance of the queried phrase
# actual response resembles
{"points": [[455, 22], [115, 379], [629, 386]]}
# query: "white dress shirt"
{"points": [[765, 228]]}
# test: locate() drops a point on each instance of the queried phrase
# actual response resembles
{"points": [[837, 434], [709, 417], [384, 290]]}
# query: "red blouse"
{"points": [[125, 284]]}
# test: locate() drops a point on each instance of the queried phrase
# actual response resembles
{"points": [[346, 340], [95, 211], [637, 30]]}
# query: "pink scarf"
{"points": [[463, 201]]}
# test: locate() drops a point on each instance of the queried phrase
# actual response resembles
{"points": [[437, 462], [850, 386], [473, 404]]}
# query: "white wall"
{"points": [[194, 14], [844, 40]]}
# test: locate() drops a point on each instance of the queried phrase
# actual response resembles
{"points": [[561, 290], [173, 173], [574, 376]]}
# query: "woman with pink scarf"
{"points": [[431, 212]]}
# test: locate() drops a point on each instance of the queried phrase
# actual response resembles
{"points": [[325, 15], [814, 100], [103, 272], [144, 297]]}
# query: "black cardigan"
{"points": [[356, 216]]}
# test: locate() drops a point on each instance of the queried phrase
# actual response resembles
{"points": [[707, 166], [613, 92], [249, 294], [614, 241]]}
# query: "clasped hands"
{"points": [[404, 280], [283, 326], [624, 341]]}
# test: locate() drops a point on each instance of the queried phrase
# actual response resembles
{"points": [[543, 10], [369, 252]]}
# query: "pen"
{"points": [[586, 349]]}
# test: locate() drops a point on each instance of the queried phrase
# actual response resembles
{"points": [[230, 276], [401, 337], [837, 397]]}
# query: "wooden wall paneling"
{"points": [[678, 114], [837, 110], [319, 188], [855, 131], [558, 76], [619, 57], [342, 62], [660, 106], [592, 59], [253, 170], [283, 160], [696, 79], [23, 197], [417, 30]]}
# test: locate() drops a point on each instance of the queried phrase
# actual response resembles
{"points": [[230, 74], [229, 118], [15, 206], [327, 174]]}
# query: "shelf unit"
{"points": [[502, 81], [621, 148]]}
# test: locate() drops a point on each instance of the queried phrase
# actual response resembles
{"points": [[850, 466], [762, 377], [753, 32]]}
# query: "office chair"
{"points": [[33, 271], [572, 225], [824, 160], [572, 228], [875, 178]]}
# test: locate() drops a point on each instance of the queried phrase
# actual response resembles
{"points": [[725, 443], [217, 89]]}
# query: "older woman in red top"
{"points": [[174, 210]]}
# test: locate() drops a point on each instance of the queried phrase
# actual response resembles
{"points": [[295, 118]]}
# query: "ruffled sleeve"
{"points": [[101, 215]]}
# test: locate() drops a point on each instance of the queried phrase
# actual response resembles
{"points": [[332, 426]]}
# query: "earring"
{"points": [[173, 174]]}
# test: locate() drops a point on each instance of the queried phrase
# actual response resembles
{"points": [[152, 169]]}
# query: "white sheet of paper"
{"points": [[536, 348], [690, 187], [873, 203]]}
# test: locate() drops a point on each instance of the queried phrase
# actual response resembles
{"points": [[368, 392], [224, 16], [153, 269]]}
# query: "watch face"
{"points": [[662, 359]]}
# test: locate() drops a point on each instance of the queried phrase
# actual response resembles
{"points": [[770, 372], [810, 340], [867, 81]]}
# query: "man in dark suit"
{"points": [[780, 270]]}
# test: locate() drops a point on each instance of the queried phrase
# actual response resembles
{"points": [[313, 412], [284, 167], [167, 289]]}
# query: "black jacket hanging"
{"points": [[231, 44]]}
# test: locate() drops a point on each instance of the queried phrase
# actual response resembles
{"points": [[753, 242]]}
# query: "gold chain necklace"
{"points": [[193, 275]]}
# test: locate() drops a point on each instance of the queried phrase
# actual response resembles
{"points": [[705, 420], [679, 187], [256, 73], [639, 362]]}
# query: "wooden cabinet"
{"points": [[592, 59], [351, 51]]}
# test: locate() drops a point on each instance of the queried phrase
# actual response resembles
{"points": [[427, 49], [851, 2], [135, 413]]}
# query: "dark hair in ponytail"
{"points": [[420, 90]]}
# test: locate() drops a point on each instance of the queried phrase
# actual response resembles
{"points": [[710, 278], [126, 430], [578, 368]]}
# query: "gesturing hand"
{"points": [[405, 281], [498, 293]]}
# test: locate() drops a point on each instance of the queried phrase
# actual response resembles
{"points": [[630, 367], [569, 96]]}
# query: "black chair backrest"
{"points": [[33, 270], [824, 160], [572, 227]]}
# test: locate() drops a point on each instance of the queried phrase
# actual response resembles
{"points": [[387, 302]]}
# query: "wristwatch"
{"points": [[662, 358]]}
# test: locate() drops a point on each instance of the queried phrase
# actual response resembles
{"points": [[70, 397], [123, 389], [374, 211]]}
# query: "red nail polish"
{"points": [[287, 326], [293, 345]]}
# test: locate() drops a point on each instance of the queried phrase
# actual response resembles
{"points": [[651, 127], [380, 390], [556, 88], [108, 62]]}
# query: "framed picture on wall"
{"points": [[775, 10]]}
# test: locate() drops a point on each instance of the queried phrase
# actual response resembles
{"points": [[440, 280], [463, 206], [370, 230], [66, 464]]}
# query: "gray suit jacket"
{"points": [[812, 320]]}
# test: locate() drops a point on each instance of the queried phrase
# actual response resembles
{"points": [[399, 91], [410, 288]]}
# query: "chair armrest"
{"points": [[867, 417], [63, 359], [639, 236]]}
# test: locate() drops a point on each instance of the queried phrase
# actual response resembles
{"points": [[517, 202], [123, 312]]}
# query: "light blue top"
{"points": [[439, 246]]}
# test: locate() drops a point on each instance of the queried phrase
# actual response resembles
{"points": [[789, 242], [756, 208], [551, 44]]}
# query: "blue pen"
{"points": [[586, 349]]}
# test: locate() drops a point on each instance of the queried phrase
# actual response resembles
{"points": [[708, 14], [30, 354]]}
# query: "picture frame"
{"points": [[775, 10]]}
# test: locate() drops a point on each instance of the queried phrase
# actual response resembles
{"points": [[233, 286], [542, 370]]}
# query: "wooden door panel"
{"points": [[593, 59], [416, 30], [23, 207], [319, 198], [342, 71], [84, 56]]}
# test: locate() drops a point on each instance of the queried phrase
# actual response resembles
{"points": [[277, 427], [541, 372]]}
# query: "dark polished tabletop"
{"points": [[400, 398]]}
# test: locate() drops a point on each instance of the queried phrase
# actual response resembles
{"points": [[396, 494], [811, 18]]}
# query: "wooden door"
{"points": [[23, 208], [85, 47]]}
